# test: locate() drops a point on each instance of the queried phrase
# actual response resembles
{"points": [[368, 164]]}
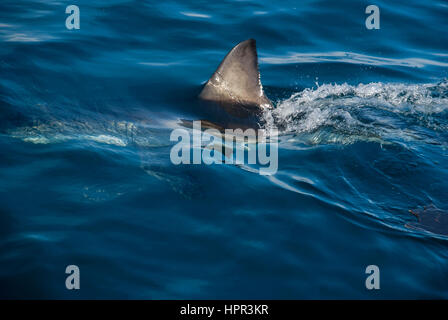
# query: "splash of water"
{"points": [[343, 113]]}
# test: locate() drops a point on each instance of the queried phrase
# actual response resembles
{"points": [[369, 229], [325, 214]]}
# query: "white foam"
{"points": [[102, 138], [365, 111]]}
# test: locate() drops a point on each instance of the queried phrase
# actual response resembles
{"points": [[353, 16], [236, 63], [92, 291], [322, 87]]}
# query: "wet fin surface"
{"points": [[237, 79]]}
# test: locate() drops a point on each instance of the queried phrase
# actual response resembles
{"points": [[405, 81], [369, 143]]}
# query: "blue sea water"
{"points": [[86, 178]]}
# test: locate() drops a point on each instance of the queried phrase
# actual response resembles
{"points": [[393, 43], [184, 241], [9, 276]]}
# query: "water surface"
{"points": [[86, 178]]}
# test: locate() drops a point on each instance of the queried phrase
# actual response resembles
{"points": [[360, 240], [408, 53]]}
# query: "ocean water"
{"points": [[86, 178]]}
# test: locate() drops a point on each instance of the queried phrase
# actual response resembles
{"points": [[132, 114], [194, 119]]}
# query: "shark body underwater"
{"points": [[232, 98]]}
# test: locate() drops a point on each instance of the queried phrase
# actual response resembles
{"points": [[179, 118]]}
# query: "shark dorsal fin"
{"points": [[237, 79]]}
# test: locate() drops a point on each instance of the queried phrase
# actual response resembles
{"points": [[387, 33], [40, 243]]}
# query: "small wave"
{"points": [[116, 133], [353, 58], [195, 15], [107, 139], [26, 37], [343, 113]]}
